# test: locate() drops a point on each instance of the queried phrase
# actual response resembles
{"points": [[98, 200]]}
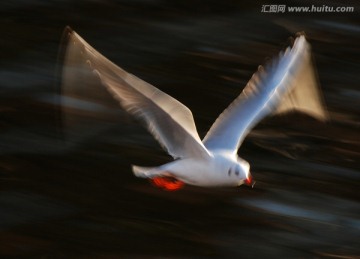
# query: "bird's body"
{"points": [[287, 83], [219, 169]]}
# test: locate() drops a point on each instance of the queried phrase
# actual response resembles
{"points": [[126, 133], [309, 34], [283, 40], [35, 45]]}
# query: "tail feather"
{"points": [[148, 172]]}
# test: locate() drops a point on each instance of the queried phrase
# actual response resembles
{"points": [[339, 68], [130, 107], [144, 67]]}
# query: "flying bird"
{"points": [[288, 82]]}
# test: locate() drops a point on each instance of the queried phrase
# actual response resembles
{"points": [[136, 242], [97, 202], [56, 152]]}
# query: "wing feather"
{"points": [[286, 83], [169, 121]]}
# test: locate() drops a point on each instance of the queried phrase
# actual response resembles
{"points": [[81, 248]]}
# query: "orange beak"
{"points": [[249, 181]]}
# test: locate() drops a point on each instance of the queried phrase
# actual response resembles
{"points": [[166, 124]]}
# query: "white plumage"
{"points": [[286, 83]]}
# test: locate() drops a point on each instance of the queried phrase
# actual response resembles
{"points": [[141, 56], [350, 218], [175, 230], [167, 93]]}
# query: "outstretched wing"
{"points": [[287, 83], [170, 122]]}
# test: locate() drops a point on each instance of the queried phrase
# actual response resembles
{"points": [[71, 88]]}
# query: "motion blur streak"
{"points": [[82, 200]]}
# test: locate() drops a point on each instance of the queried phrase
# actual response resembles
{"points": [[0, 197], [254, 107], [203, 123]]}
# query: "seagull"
{"points": [[288, 82]]}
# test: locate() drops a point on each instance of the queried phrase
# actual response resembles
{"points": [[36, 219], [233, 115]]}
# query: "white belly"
{"points": [[206, 173]]}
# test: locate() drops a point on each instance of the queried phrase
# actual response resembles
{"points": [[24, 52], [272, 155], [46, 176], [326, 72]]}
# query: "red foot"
{"points": [[167, 183]]}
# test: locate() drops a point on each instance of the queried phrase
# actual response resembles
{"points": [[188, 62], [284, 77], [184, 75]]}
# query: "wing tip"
{"points": [[63, 47], [67, 33], [68, 29], [300, 34]]}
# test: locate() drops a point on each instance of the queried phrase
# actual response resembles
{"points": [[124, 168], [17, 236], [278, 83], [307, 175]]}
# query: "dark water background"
{"points": [[81, 200]]}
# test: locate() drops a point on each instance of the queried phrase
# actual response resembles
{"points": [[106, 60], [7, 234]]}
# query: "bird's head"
{"points": [[240, 171]]}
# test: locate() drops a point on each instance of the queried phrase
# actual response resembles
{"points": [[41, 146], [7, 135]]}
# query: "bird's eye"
{"points": [[237, 170]]}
